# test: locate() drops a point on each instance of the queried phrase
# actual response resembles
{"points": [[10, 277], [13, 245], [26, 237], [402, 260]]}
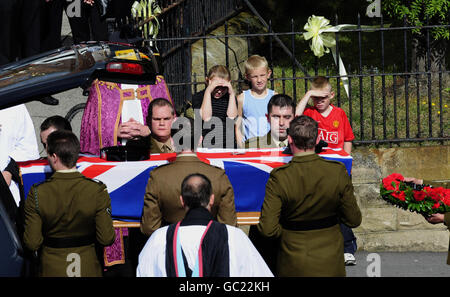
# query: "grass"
{"points": [[383, 115]]}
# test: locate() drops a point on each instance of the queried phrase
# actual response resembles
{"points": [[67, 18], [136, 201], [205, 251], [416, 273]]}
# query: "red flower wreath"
{"points": [[424, 200]]}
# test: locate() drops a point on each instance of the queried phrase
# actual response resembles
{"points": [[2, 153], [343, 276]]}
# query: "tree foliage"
{"points": [[418, 12], [282, 11]]}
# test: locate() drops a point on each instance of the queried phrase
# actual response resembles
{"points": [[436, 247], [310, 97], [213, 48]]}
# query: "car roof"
{"points": [[71, 67]]}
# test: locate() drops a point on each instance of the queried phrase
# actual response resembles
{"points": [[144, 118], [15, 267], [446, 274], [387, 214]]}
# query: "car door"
{"points": [[11, 251]]}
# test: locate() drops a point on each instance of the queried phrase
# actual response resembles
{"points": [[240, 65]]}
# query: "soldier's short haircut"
{"points": [[303, 131], [196, 190], [280, 100], [56, 121], [65, 145], [158, 102]]}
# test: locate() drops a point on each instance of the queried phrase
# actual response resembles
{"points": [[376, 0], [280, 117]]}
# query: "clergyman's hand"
{"points": [[132, 130]]}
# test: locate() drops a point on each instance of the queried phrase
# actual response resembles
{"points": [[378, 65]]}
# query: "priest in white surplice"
{"points": [[198, 246]]}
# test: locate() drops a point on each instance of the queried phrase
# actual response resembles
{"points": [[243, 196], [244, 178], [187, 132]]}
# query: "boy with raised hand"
{"points": [[217, 106], [335, 130], [334, 127], [252, 103]]}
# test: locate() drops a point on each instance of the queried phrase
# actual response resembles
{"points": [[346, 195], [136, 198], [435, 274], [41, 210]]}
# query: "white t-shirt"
{"points": [[17, 139]]}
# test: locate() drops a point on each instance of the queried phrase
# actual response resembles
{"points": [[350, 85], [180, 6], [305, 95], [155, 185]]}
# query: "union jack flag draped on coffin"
{"points": [[248, 172]]}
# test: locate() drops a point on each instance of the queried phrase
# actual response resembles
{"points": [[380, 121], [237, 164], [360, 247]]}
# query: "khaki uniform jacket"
{"points": [[445, 185], [68, 205], [155, 146], [162, 204], [265, 141], [148, 142], [309, 188]]}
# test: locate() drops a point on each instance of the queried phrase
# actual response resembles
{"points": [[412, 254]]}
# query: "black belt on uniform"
{"points": [[69, 242], [310, 225]]}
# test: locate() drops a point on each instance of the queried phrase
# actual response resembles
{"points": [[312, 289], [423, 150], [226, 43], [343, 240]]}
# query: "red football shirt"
{"points": [[334, 129]]}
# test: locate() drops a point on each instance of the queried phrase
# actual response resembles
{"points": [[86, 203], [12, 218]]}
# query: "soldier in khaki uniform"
{"points": [[157, 136], [67, 214], [162, 204], [280, 112], [304, 203]]}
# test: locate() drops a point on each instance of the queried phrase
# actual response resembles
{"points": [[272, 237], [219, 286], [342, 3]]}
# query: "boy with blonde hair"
{"points": [[334, 127], [252, 103]]}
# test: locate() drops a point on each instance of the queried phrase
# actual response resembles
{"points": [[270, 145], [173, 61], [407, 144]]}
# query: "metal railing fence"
{"points": [[391, 99]]}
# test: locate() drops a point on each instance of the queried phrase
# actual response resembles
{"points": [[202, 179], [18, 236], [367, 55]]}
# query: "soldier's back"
{"points": [[311, 190], [169, 178], [74, 212]]}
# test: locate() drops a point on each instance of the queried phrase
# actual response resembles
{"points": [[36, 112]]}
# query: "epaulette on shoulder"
{"points": [[252, 142], [162, 165], [159, 167], [280, 168], [35, 185], [332, 161], [215, 166], [97, 181]]}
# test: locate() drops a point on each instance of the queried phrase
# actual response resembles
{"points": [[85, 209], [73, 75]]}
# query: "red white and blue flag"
{"points": [[247, 170]]}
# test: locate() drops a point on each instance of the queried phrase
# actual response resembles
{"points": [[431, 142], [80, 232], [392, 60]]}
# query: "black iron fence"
{"points": [[193, 18], [398, 84]]}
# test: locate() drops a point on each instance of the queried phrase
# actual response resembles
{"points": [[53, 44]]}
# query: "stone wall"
{"points": [[216, 53], [385, 227], [237, 55]]}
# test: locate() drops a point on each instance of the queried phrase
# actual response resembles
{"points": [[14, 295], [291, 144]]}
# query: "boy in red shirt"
{"points": [[335, 130], [334, 127]]}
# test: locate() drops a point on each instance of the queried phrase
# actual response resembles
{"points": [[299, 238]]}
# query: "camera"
{"points": [[221, 90]]}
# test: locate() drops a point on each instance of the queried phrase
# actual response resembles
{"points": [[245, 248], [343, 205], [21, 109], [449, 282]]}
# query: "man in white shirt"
{"points": [[198, 245], [17, 142]]}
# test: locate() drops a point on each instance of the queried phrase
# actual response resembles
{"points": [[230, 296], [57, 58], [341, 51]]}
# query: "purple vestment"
{"points": [[102, 114], [99, 124]]}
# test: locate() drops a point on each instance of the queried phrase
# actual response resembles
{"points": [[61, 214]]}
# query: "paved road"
{"points": [[400, 264]]}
